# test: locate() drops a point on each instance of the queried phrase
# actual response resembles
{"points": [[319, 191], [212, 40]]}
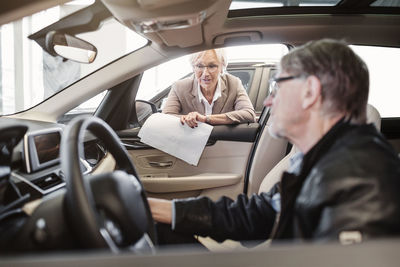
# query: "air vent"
{"points": [[48, 181]]}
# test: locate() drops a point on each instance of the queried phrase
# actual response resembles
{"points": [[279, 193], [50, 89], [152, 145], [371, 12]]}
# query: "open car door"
{"points": [[233, 155]]}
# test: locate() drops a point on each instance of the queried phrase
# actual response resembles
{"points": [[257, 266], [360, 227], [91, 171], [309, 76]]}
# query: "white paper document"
{"points": [[166, 133]]}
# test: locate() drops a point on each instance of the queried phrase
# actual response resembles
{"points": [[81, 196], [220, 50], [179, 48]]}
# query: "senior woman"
{"points": [[210, 95]]}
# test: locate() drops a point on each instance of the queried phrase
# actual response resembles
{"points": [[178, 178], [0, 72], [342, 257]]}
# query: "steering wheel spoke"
{"points": [[110, 242], [107, 209]]}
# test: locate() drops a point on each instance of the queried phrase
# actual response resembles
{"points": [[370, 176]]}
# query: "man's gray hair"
{"points": [[343, 75], [220, 53]]}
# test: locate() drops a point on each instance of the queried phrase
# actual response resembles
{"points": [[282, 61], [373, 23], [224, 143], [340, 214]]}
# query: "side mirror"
{"points": [[144, 109], [70, 47]]}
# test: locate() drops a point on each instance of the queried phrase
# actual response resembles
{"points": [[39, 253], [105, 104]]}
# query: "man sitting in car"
{"points": [[343, 184]]}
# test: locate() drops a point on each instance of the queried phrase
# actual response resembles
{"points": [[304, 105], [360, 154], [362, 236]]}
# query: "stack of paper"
{"points": [[166, 133]]}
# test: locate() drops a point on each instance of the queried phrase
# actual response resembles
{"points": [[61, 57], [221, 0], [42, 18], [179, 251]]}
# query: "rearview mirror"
{"points": [[70, 47]]}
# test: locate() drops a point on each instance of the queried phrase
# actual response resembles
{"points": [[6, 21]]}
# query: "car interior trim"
{"points": [[189, 183], [37, 188]]}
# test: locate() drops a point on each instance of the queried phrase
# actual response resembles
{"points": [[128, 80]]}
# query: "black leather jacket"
{"points": [[349, 181]]}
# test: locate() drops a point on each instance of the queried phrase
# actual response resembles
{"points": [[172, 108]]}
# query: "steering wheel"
{"points": [[110, 209]]}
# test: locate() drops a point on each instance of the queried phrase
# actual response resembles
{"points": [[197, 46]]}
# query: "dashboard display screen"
{"points": [[47, 146], [42, 149]]}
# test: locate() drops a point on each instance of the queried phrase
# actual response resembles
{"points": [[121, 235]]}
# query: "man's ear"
{"points": [[312, 92]]}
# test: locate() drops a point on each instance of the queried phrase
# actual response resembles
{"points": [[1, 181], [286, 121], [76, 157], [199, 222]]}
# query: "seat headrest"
{"points": [[373, 116]]}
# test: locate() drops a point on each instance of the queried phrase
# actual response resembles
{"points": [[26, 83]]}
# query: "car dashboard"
{"points": [[35, 167]]}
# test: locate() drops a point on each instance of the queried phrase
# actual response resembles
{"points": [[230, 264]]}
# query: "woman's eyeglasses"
{"points": [[200, 67]]}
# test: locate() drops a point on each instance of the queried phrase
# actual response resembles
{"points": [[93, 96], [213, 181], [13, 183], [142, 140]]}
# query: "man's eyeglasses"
{"points": [[273, 83], [200, 67]]}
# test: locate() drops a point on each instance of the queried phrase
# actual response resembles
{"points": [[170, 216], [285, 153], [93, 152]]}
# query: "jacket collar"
{"points": [[291, 184], [195, 98], [218, 104], [323, 145]]}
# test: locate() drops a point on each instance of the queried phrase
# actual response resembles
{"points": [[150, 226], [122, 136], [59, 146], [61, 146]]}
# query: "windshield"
{"points": [[30, 75]]}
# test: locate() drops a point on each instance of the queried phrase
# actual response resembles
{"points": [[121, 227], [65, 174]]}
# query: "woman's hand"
{"points": [[192, 118]]}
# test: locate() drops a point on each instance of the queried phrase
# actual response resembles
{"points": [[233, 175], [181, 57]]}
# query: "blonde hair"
{"points": [[220, 53]]}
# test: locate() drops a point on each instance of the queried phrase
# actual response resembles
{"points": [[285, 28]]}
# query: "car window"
{"points": [[86, 108], [240, 4], [156, 82], [246, 76], [29, 75], [156, 79], [384, 70]]}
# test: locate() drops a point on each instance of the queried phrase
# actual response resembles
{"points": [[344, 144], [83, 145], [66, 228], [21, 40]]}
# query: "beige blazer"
{"points": [[234, 101]]}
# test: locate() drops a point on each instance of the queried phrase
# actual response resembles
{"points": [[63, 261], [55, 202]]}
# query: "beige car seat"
{"points": [[272, 178], [274, 175]]}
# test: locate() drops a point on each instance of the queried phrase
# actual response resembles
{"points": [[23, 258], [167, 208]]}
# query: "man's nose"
{"points": [[268, 101]]}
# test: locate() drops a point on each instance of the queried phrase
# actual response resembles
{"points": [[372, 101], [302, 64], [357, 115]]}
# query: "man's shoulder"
{"points": [[360, 151], [363, 139], [359, 166]]}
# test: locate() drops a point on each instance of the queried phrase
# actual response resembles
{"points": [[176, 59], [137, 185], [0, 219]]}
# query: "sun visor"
{"points": [[165, 19]]}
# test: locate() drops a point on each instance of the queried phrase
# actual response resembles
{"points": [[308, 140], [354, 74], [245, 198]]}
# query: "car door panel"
{"points": [[222, 164], [189, 183], [245, 132], [221, 168]]}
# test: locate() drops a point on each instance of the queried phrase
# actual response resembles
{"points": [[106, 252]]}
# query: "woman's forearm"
{"points": [[216, 119]]}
